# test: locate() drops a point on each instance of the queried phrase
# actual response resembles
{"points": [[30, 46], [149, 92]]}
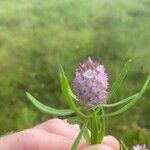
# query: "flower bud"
{"points": [[140, 147], [91, 83]]}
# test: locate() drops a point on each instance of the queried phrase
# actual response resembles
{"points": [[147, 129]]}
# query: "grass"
{"points": [[36, 36]]}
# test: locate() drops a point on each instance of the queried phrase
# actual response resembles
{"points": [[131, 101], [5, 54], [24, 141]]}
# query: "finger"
{"points": [[60, 127], [34, 139], [98, 147], [75, 126], [111, 141]]}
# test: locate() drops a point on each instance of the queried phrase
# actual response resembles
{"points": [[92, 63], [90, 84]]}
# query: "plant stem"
{"points": [[101, 131], [97, 127], [93, 129]]}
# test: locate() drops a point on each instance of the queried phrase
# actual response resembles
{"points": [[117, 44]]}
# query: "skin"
{"points": [[55, 134]]}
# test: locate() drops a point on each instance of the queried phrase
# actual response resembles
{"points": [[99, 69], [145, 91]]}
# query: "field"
{"points": [[36, 36]]}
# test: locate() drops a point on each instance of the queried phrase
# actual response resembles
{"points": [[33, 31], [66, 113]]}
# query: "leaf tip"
{"points": [[61, 71], [129, 62], [60, 68], [27, 93]]}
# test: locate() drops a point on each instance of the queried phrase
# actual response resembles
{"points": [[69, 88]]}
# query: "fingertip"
{"points": [[98, 147], [111, 141]]}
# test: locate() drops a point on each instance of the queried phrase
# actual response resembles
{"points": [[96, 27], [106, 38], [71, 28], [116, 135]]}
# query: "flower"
{"points": [[140, 147], [91, 83]]}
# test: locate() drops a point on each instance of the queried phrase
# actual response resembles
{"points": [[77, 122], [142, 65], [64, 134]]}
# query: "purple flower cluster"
{"points": [[91, 83], [140, 147]]}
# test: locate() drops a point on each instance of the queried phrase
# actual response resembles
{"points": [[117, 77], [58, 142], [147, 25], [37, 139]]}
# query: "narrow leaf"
{"points": [[77, 141], [101, 132], [123, 145], [47, 109], [119, 79], [65, 90], [124, 100], [94, 128], [72, 94], [130, 104], [87, 136]]}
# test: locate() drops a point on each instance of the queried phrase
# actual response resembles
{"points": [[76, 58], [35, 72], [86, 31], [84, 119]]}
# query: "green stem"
{"points": [[97, 127], [101, 131], [93, 129]]}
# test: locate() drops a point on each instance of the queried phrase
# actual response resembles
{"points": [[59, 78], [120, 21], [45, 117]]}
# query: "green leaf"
{"points": [[124, 100], [77, 141], [130, 104], [123, 145], [66, 93], [94, 126], [119, 79], [72, 94], [87, 136], [47, 109], [101, 131]]}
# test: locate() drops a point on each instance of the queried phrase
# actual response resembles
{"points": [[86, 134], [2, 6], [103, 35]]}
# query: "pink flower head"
{"points": [[140, 147], [91, 83]]}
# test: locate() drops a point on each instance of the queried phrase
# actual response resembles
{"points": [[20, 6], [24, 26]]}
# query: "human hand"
{"points": [[55, 134]]}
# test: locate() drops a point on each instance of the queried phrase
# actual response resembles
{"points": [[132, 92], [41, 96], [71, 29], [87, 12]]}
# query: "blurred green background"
{"points": [[36, 36]]}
